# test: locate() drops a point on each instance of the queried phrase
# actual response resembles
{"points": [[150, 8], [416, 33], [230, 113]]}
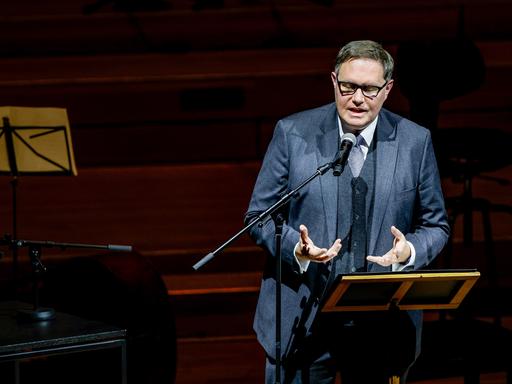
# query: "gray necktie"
{"points": [[356, 158]]}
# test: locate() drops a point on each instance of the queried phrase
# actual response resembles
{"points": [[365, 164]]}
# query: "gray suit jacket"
{"points": [[407, 194]]}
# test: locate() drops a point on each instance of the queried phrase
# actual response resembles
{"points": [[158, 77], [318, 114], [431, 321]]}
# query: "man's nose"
{"points": [[358, 96]]}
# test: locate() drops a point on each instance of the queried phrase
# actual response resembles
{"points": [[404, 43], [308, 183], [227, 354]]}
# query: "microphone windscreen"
{"points": [[349, 136]]}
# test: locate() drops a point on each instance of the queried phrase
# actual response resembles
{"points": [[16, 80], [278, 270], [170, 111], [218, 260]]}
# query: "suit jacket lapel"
{"points": [[327, 144], [387, 152]]}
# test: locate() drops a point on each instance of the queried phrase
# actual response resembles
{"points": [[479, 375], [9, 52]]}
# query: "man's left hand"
{"points": [[398, 254]]}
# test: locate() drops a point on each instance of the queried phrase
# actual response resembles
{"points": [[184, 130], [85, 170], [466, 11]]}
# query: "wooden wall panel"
{"points": [[150, 208], [65, 29]]}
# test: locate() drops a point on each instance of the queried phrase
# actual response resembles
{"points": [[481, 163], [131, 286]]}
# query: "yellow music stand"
{"points": [[34, 141], [433, 289]]}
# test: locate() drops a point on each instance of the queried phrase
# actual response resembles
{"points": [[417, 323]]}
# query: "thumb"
{"points": [[304, 236], [396, 233]]}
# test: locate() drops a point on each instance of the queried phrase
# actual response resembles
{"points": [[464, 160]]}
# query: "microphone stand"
{"points": [[274, 212], [38, 313]]}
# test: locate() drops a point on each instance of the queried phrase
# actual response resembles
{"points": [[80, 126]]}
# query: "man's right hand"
{"points": [[307, 250]]}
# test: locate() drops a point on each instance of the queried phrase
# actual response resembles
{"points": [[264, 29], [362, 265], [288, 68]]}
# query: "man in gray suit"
{"points": [[386, 216]]}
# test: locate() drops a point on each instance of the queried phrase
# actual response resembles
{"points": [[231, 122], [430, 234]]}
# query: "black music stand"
{"points": [[33, 141], [432, 289]]}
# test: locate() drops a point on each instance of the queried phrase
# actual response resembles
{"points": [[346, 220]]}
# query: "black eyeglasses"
{"points": [[370, 91]]}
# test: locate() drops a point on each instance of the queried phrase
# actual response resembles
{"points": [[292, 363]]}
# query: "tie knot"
{"points": [[360, 140]]}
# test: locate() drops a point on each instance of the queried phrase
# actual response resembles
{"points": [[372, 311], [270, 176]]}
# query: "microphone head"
{"points": [[348, 140], [350, 137]]}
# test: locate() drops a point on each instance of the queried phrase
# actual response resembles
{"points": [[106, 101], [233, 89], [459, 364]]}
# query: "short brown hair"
{"points": [[365, 49]]}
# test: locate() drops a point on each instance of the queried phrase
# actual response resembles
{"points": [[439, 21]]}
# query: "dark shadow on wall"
{"points": [[120, 289]]}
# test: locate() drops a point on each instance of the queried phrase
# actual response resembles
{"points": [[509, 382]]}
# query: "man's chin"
{"points": [[356, 127], [356, 122]]}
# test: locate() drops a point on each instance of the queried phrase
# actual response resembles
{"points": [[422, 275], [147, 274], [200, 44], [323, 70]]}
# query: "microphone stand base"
{"points": [[35, 315]]}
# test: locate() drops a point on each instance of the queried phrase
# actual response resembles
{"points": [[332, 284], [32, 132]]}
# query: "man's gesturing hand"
{"points": [[398, 254], [306, 249]]}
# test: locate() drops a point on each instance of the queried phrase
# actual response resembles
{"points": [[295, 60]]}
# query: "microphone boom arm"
{"points": [[269, 211]]}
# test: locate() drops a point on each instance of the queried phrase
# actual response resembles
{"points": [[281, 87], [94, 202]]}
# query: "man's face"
{"points": [[357, 110]]}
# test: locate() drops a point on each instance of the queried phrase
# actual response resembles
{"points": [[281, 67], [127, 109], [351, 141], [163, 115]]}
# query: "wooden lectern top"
{"points": [[421, 289]]}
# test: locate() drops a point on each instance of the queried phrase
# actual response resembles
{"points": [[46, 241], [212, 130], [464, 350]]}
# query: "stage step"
{"points": [[212, 283], [213, 304]]}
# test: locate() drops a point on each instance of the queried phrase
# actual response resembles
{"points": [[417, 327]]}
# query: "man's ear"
{"points": [[389, 86]]}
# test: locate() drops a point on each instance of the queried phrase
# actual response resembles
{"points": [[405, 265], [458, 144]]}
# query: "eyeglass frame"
{"points": [[357, 86]]}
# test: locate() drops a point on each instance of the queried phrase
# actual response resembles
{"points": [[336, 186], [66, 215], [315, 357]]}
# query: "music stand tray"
{"points": [[421, 289], [35, 141]]}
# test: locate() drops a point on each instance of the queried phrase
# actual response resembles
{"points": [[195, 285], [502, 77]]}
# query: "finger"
{"points": [[374, 259], [317, 252], [335, 248], [384, 260], [324, 257], [377, 260], [331, 253], [396, 232], [304, 236]]}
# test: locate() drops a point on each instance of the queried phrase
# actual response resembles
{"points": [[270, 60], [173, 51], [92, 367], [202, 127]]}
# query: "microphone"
{"points": [[348, 140]]}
